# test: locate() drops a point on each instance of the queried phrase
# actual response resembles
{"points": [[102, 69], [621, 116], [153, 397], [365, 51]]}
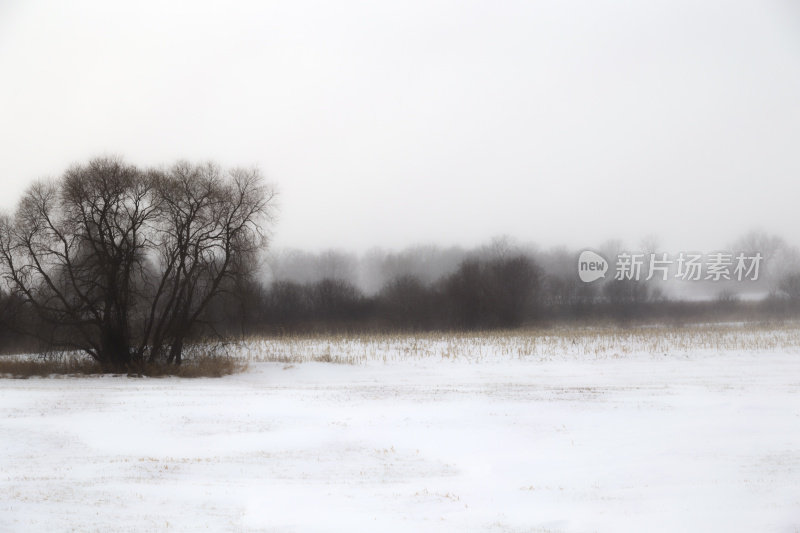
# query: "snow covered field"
{"points": [[632, 435]]}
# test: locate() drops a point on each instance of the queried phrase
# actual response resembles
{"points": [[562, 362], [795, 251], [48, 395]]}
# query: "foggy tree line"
{"points": [[481, 293], [500, 285], [485, 294]]}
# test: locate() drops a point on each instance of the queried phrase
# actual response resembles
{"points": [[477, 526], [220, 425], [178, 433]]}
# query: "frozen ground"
{"points": [[706, 441]]}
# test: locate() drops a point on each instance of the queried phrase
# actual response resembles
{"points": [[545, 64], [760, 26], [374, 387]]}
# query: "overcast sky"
{"points": [[447, 122]]}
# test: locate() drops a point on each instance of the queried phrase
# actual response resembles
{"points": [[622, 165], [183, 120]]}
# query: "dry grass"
{"points": [[203, 365], [567, 342], [21, 367], [214, 359], [195, 367]]}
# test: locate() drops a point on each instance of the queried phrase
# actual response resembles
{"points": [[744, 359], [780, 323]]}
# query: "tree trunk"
{"points": [[115, 351], [155, 353], [175, 352]]}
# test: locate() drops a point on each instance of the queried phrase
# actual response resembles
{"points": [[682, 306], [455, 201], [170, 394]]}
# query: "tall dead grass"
{"points": [[216, 359], [533, 343], [199, 365]]}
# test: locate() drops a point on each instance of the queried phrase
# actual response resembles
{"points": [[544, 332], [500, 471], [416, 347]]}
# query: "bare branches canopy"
{"points": [[121, 262]]}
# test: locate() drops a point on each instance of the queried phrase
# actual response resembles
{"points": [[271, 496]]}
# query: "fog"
{"points": [[392, 124]]}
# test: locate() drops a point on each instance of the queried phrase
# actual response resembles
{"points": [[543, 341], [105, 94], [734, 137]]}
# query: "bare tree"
{"points": [[408, 303], [210, 228], [121, 262], [497, 292], [73, 252]]}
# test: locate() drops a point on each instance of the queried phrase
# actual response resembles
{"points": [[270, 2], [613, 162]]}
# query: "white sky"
{"points": [[448, 122]]}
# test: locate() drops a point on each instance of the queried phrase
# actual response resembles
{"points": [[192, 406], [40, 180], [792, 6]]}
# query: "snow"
{"points": [[645, 442]]}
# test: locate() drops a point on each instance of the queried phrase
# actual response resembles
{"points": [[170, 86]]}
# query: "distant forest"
{"points": [[499, 285]]}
